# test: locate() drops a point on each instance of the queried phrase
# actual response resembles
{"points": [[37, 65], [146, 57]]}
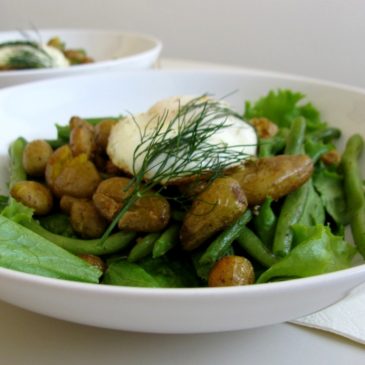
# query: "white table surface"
{"points": [[29, 338]]}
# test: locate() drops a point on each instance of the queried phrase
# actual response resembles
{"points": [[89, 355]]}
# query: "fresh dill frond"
{"points": [[180, 147], [25, 55], [26, 59]]}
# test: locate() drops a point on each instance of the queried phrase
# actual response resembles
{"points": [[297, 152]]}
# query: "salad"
{"points": [[187, 194], [28, 54]]}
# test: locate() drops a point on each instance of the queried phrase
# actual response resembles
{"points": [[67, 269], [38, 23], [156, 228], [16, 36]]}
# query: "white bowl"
{"points": [[111, 50], [31, 110]]}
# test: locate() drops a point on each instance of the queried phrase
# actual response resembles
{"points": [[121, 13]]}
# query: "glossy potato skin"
{"points": [[33, 195], [272, 176], [231, 271], [110, 195], [82, 138], [219, 205], [86, 220], [102, 132], [35, 157], [68, 175], [150, 213]]}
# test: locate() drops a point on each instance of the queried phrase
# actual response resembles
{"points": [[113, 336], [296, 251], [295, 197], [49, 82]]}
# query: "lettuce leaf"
{"points": [[23, 250], [282, 107], [153, 273], [317, 251]]}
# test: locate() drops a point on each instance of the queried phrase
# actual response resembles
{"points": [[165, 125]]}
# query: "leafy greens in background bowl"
{"points": [[109, 50], [188, 310]]}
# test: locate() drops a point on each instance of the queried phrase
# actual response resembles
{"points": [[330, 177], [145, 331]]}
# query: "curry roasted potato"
{"points": [[102, 132], [68, 175], [219, 205], [86, 220], [33, 195], [274, 176], [82, 137], [35, 157], [150, 213], [231, 271]]}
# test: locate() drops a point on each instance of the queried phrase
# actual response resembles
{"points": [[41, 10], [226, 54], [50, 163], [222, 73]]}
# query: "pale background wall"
{"points": [[319, 38]]}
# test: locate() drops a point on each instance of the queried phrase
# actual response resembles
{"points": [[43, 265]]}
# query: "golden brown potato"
{"points": [[56, 163], [110, 195], [272, 176], [78, 178], [86, 220], [35, 157], [34, 195], [94, 260], [192, 189], [265, 128], [66, 202], [331, 158], [150, 213], [82, 137], [219, 205], [231, 271], [102, 132], [67, 175]]}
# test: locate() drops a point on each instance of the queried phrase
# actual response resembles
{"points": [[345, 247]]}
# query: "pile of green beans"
{"points": [[354, 189]]}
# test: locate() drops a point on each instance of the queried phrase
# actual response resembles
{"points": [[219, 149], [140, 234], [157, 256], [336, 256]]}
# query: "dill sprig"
{"points": [[28, 55], [180, 148]]}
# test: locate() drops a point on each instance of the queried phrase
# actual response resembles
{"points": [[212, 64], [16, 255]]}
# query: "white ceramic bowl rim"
{"points": [[156, 46], [196, 291]]}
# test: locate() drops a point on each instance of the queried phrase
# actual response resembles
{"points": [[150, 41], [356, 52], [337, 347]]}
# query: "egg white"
{"points": [[126, 136]]}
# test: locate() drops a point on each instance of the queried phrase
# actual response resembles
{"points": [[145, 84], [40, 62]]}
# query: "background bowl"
{"points": [[190, 310], [111, 50]]}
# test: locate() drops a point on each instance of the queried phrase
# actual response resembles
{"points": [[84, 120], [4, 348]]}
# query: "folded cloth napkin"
{"points": [[345, 318]]}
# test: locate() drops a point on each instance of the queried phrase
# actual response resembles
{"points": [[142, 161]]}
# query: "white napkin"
{"points": [[345, 318]]}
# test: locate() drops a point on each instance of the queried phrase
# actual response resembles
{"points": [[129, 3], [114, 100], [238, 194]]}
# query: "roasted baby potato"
{"points": [[231, 271], [86, 220], [34, 195], [94, 260], [110, 195], [68, 175], [219, 205], [272, 176], [265, 128], [102, 132], [82, 137], [150, 213], [35, 157]]}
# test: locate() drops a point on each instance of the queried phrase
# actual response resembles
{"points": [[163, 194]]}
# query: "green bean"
{"points": [[255, 247], [271, 146], [113, 243], [290, 214], [326, 135], [293, 205], [95, 121], [354, 190], [315, 149], [17, 172], [221, 244], [294, 143], [143, 247], [166, 241], [55, 143], [265, 222]]}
